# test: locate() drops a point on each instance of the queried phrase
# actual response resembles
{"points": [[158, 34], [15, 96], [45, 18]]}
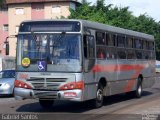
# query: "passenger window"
{"points": [[101, 52], [145, 55], [144, 45], [139, 54], [138, 44], [120, 41], [153, 55], [121, 53], [111, 53], [129, 42], [110, 39], [100, 38], [130, 54], [151, 45]]}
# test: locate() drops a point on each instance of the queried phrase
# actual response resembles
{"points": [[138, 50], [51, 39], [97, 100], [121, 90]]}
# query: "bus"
{"points": [[80, 60]]}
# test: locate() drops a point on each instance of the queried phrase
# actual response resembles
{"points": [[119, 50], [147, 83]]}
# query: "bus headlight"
{"points": [[72, 85], [21, 84]]}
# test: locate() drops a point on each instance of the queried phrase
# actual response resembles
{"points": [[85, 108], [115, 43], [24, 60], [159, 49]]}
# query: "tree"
{"points": [[2, 2], [120, 17]]}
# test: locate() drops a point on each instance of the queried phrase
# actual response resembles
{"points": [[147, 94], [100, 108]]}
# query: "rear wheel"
{"points": [[46, 104], [98, 101], [138, 91]]}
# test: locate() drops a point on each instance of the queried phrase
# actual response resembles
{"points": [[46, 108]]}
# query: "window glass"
{"points": [[8, 74], [144, 45], [100, 38], [129, 42], [153, 55], [89, 47], [151, 45], [130, 54], [139, 54], [110, 39], [101, 52], [138, 44], [121, 53], [50, 26], [121, 41], [145, 55], [5, 27], [111, 53]]}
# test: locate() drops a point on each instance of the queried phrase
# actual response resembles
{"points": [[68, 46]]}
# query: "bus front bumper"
{"points": [[72, 95]]}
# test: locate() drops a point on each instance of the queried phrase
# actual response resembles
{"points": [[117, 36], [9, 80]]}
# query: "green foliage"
{"points": [[2, 2], [120, 17]]}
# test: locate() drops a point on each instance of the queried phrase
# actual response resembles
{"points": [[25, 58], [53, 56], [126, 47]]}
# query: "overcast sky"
{"points": [[150, 7]]}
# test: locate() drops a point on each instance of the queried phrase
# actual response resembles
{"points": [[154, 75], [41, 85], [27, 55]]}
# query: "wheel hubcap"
{"points": [[139, 90], [99, 95]]}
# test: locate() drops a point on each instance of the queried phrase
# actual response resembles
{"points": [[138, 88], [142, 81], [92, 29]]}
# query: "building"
{"points": [[3, 29], [20, 10]]}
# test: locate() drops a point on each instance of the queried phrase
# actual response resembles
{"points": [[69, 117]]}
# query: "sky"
{"points": [[137, 7]]}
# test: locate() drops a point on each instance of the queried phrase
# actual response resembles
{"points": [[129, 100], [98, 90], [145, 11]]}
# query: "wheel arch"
{"points": [[141, 77], [103, 82]]}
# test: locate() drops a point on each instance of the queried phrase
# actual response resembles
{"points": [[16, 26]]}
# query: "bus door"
{"points": [[88, 65], [89, 53]]}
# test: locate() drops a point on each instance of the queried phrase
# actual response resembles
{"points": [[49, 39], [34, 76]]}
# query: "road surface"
{"points": [[117, 107]]}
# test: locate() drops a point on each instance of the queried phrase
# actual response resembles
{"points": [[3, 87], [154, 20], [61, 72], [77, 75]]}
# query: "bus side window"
{"points": [[139, 54], [129, 42], [111, 52], [89, 46], [101, 52], [138, 43], [151, 45], [100, 38], [120, 41]]}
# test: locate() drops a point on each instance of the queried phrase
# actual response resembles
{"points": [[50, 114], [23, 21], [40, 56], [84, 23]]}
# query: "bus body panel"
{"points": [[120, 75]]}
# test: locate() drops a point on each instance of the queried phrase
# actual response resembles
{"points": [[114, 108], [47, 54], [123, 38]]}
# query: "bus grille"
{"points": [[45, 94], [46, 83]]}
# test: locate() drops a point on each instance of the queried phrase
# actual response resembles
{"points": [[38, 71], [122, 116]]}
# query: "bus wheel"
{"points": [[98, 101], [138, 91], [46, 104]]}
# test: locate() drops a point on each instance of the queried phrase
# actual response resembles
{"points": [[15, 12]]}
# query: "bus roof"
{"points": [[104, 27], [117, 30]]}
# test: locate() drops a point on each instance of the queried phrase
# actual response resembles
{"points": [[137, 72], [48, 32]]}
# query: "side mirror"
{"points": [[7, 48], [7, 43]]}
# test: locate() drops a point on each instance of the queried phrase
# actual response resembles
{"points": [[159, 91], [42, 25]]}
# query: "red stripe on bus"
{"points": [[132, 82], [116, 68]]}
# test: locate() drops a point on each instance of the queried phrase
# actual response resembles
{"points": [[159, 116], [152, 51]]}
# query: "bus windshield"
{"points": [[60, 50]]}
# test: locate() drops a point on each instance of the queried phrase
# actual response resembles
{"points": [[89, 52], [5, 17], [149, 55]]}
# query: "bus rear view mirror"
{"points": [[7, 47], [7, 43]]}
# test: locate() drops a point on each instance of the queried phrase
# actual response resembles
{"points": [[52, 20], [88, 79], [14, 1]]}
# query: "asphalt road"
{"points": [[117, 107]]}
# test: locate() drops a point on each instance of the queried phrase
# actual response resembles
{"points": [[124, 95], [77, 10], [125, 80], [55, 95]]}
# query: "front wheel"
{"points": [[46, 104], [98, 101]]}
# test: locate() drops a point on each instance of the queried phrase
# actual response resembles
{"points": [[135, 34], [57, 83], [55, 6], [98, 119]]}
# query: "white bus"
{"points": [[79, 60]]}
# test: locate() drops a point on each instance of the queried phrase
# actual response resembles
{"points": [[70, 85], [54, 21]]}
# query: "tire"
{"points": [[138, 91], [46, 104], [98, 101]]}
